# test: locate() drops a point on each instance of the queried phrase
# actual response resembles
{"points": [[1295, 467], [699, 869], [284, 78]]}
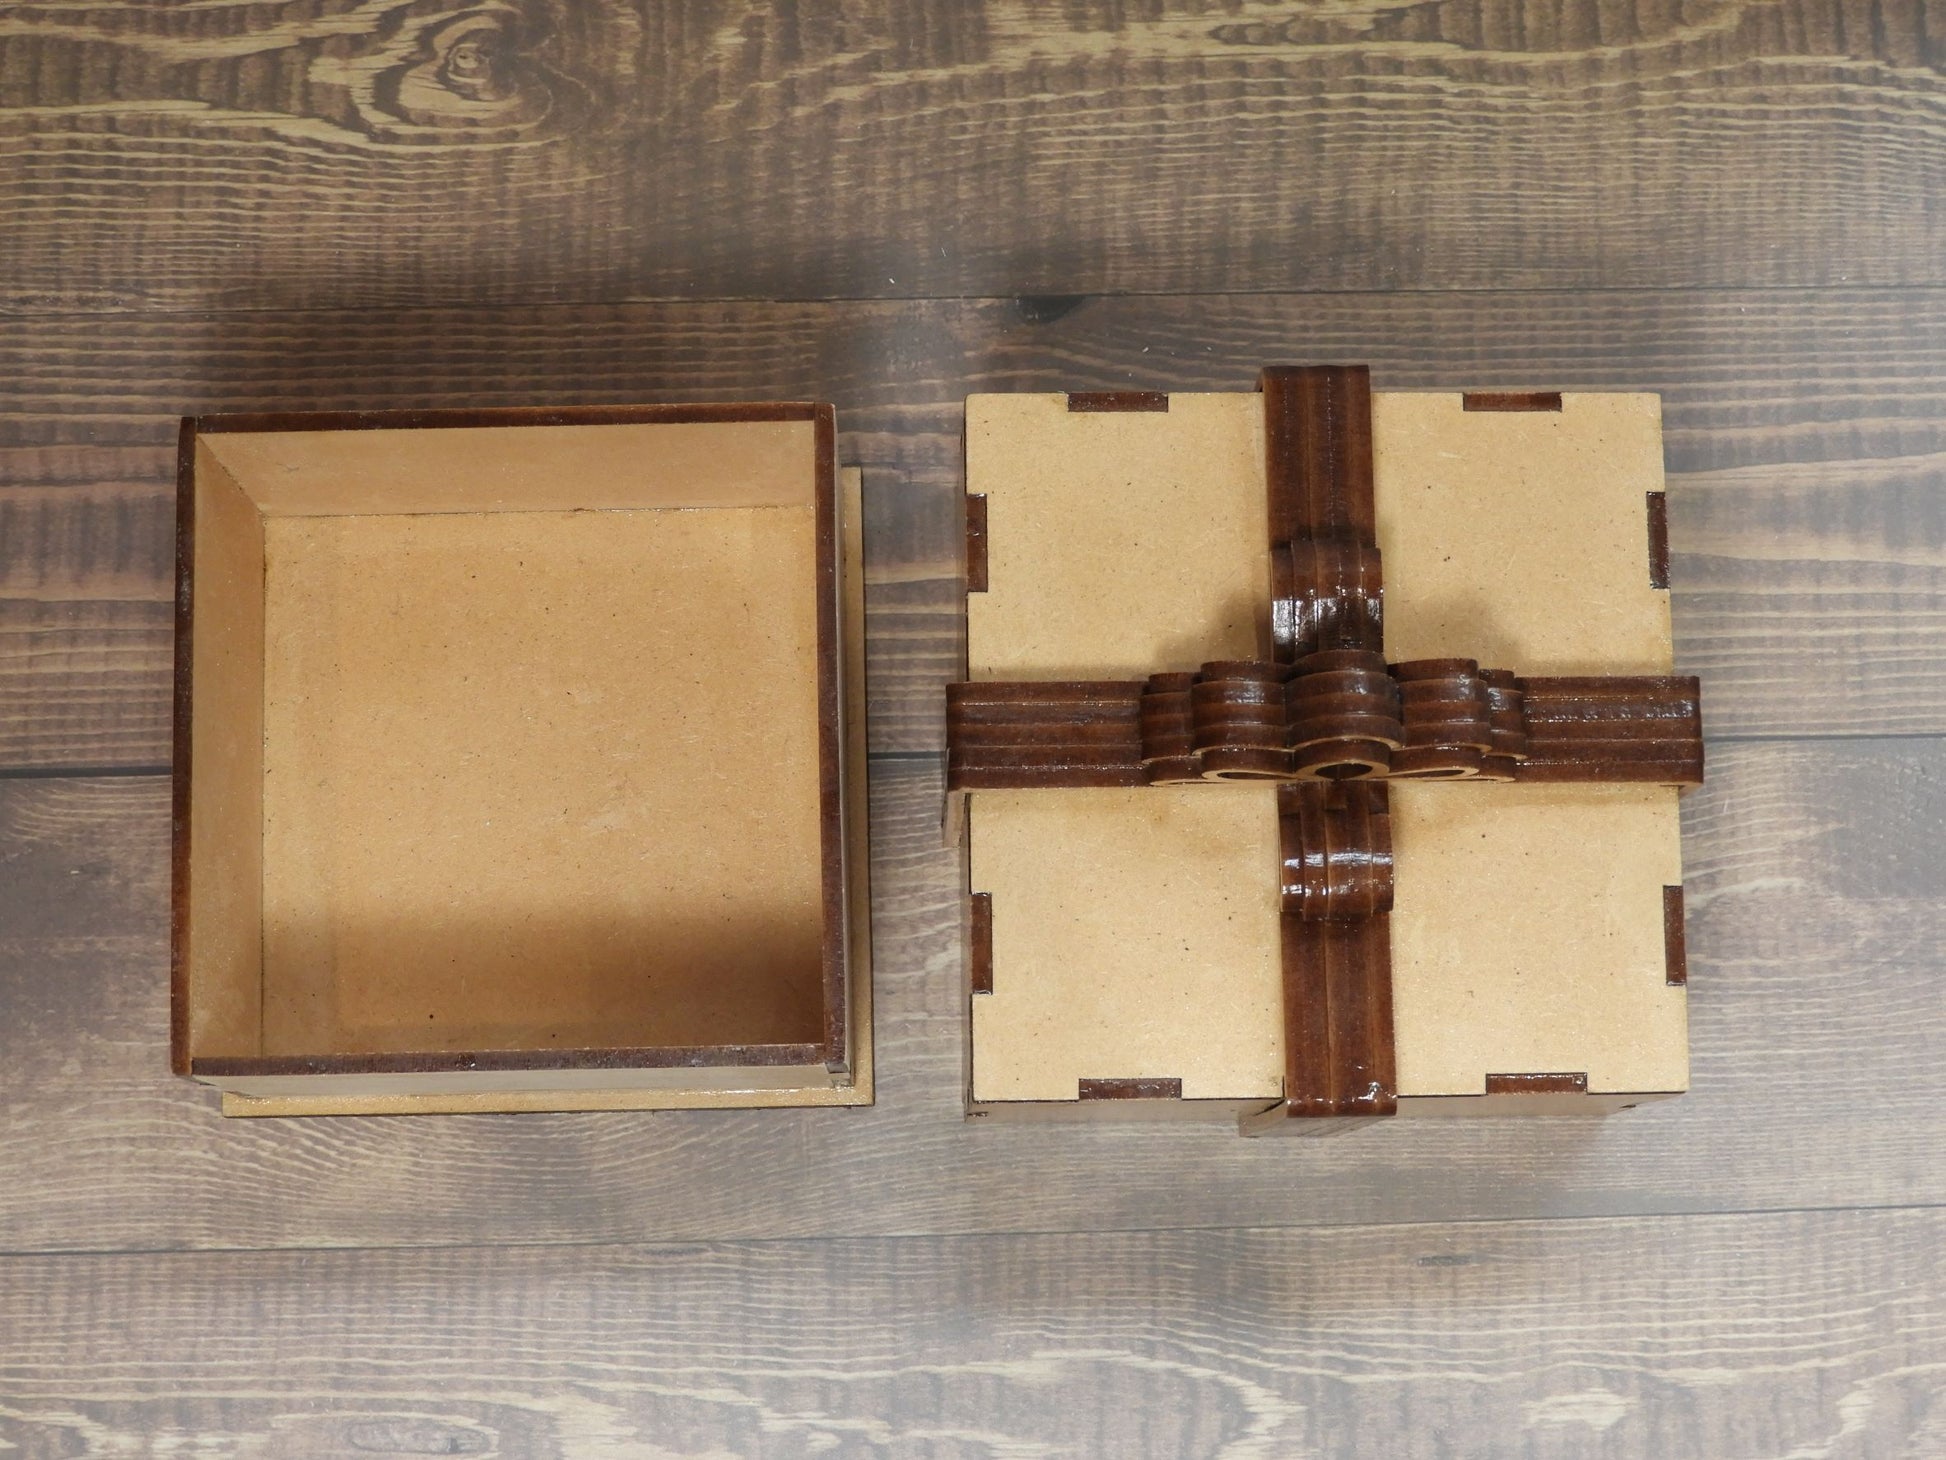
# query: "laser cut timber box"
{"points": [[1319, 755], [520, 762]]}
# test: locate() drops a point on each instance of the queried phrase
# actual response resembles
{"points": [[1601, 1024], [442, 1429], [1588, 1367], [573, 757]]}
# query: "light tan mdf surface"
{"points": [[1191, 989], [1119, 544], [532, 468], [1519, 538], [858, 1090], [224, 908], [1527, 932], [1527, 936], [527, 780], [540, 780]]}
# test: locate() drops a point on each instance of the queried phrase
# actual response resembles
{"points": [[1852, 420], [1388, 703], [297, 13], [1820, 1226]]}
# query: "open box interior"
{"points": [[515, 756]]}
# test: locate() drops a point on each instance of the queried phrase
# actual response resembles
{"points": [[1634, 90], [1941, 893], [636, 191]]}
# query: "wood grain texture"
{"points": [[1804, 1334], [157, 156], [294, 205], [1806, 437], [1816, 915]]}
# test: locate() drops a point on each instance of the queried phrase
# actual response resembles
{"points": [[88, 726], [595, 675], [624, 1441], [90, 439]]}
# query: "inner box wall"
{"points": [[218, 952], [541, 780]]}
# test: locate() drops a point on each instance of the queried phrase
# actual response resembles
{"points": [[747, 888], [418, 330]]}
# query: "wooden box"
{"points": [[519, 761], [1151, 939]]}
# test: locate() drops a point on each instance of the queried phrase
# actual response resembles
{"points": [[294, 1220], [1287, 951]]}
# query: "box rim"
{"points": [[445, 1062], [835, 952]]}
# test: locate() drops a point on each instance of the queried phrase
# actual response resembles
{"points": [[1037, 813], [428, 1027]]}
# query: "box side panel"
{"points": [[1115, 1112], [524, 468], [1528, 936], [521, 1102], [1118, 544], [1134, 936], [543, 781], [827, 529], [487, 1084], [855, 792], [1521, 539], [1463, 1107], [220, 941]]}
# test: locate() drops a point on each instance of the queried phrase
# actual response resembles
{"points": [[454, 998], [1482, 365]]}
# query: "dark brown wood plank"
{"points": [[1806, 439], [84, 684], [1816, 920], [287, 155], [1804, 1334], [84, 609]]}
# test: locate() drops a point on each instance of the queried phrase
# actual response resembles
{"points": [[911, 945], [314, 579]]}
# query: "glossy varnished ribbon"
{"points": [[1336, 935], [1433, 719], [1343, 720]]}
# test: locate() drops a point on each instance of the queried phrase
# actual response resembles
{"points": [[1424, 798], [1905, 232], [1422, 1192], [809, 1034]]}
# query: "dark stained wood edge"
{"points": [[1141, 1088], [1031, 695], [1306, 961], [1684, 773], [1339, 1056], [1511, 400], [179, 787], [979, 957], [432, 1062], [1118, 400], [976, 543], [1576, 1084], [1673, 690], [1658, 539], [1675, 943], [831, 744], [439, 420]]}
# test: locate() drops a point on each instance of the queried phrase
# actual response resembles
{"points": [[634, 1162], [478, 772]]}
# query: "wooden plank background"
{"points": [[293, 204]]}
